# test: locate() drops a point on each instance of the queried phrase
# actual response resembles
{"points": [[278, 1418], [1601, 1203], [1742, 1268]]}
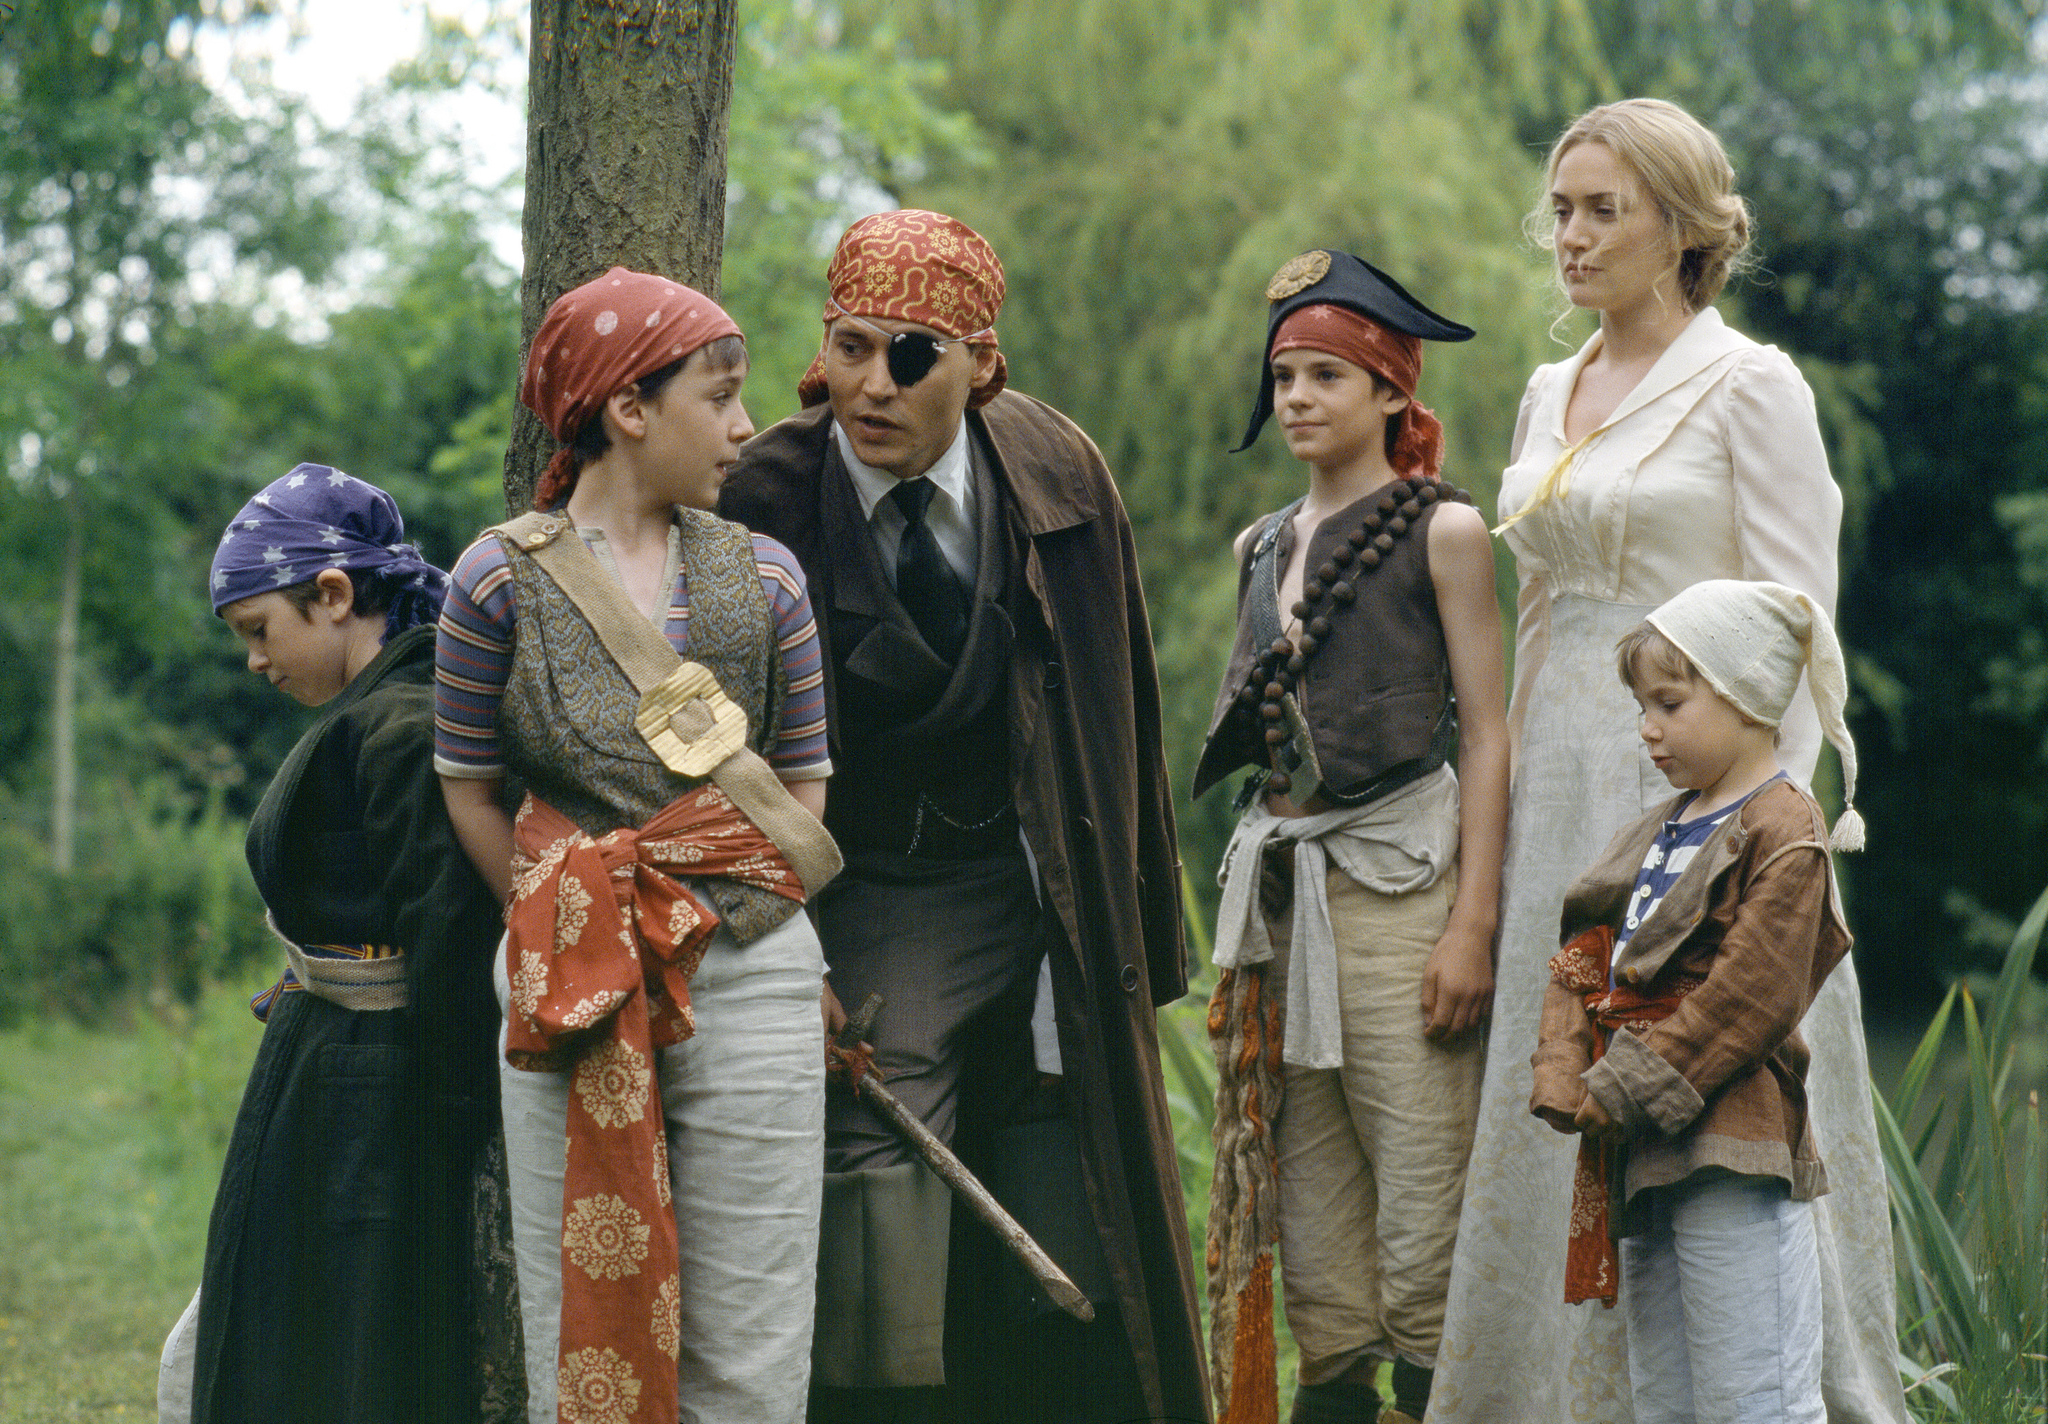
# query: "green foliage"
{"points": [[1891, 153], [172, 343], [1150, 169], [119, 172], [827, 120], [171, 315], [1970, 1201], [160, 905]]}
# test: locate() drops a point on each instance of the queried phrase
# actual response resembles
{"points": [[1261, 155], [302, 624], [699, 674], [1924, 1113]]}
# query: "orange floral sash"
{"points": [[602, 941], [1592, 1270]]}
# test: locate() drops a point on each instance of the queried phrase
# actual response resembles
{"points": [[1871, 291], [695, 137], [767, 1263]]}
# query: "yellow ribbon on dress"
{"points": [[1555, 485]]}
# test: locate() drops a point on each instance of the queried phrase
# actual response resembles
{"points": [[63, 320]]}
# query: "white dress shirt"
{"points": [[950, 516]]}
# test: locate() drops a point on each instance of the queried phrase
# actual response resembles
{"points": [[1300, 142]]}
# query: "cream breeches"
{"points": [[1372, 1154]]}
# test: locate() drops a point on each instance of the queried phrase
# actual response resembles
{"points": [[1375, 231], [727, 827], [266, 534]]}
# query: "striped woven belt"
{"points": [[353, 976]]}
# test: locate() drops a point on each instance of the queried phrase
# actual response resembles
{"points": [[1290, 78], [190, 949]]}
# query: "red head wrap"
{"points": [[1393, 356], [920, 267], [598, 339]]}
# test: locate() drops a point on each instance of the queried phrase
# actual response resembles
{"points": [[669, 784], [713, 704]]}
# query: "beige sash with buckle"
{"points": [[685, 716]]}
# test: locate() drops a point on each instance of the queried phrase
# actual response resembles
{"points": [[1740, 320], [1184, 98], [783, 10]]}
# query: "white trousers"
{"points": [[176, 1367], [744, 1103], [1722, 1294]]}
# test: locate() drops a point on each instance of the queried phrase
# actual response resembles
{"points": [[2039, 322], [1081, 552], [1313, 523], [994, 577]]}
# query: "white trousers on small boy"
{"points": [[177, 1366], [1372, 1155], [744, 1102], [1722, 1296]]}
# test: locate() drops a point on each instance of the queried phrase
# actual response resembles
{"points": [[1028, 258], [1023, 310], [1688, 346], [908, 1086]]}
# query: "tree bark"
{"points": [[625, 161], [64, 695]]}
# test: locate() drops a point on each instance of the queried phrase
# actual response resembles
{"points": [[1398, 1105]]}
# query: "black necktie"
{"points": [[931, 592]]}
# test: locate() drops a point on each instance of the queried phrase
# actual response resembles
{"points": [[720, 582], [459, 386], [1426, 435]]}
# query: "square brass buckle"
{"points": [[689, 721]]}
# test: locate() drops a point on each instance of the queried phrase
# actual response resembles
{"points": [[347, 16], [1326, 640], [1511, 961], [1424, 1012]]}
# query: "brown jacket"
{"points": [[1089, 779], [1721, 1083]]}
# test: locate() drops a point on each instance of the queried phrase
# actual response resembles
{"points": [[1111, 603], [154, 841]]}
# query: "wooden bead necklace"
{"points": [[1327, 589]]}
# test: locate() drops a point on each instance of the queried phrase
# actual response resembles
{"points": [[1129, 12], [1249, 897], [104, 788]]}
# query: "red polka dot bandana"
{"points": [[598, 339], [921, 267]]}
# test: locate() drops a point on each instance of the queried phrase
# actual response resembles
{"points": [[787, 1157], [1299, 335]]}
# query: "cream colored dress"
{"points": [[1711, 468]]}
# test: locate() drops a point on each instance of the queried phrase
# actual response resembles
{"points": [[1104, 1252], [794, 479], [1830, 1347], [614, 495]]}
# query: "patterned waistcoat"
{"points": [[566, 723]]}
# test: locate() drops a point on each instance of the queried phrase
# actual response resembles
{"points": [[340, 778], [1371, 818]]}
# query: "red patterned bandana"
{"points": [[596, 340], [1392, 356], [920, 267], [1592, 1269]]}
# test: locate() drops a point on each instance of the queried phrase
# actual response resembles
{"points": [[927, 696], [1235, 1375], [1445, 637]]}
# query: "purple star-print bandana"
{"points": [[318, 518]]}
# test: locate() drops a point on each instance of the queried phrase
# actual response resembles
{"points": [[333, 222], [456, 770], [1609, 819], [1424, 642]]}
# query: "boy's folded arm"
{"points": [[1640, 1090], [1758, 988], [1564, 1047]]}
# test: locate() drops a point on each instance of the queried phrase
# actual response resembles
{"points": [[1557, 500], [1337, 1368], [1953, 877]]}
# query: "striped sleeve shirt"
{"points": [[473, 660], [1677, 845]]}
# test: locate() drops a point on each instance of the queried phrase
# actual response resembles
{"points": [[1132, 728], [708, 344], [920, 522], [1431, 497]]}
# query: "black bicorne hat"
{"points": [[1331, 278]]}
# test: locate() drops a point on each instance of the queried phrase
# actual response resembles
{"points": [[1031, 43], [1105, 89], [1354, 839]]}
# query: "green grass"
{"points": [[110, 1148], [111, 1141]]}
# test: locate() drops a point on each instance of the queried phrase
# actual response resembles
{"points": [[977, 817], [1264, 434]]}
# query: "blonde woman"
{"points": [[1668, 450]]}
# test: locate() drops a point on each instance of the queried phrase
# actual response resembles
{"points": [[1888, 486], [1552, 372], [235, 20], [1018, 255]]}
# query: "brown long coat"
{"points": [[1722, 1081], [1089, 778]]}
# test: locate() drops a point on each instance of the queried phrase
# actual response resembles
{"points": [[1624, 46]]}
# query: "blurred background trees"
{"points": [[1149, 166], [170, 265], [201, 284]]}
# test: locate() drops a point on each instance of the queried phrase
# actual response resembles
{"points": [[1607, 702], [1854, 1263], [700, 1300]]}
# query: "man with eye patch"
{"points": [[1012, 887]]}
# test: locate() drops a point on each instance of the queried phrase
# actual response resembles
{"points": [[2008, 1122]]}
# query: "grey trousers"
{"points": [[953, 948], [744, 1104]]}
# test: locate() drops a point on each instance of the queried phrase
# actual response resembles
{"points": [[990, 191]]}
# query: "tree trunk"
{"points": [[64, 695], [625, 160]]}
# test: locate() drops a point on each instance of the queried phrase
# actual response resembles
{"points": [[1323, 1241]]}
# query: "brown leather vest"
{"points": [[1374, 693]]}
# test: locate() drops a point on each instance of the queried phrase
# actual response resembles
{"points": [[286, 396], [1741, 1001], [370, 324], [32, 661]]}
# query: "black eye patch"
{"points": [[911, 356]]}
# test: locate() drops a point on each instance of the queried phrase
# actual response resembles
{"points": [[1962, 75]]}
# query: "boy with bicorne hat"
{"points": [[1011, 886], [1361, 888]]}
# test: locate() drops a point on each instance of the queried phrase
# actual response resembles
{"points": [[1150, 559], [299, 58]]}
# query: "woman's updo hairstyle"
{"points": [[1686, 173]]}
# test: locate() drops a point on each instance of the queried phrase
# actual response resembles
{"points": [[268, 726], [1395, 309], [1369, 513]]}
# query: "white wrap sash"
{"points": [[1396, 845]]}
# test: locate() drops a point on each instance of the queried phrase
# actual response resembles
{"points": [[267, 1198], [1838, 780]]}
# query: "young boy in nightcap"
{"points": [[1361, 888], [1670, 1036]]}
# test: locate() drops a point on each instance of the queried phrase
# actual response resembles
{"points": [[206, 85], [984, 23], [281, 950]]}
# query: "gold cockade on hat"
{"points": [[1298, 275]]}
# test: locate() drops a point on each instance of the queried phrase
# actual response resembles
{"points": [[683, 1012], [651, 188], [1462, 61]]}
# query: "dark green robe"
{"points": [[339, 1283]]}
